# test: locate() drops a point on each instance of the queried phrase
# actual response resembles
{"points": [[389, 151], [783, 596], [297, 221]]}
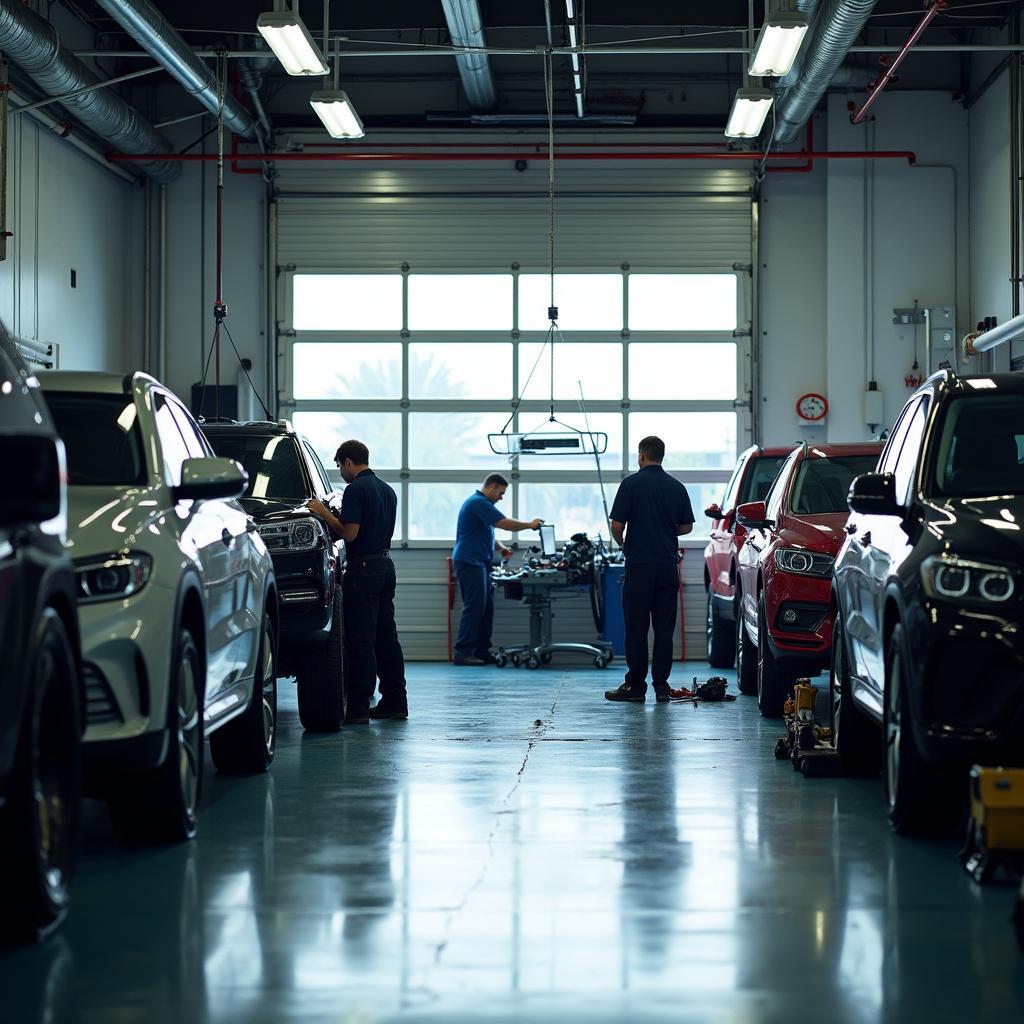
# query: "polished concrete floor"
{"points": [[521, 850]]}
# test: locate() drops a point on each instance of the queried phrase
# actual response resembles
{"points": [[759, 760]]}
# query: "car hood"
{"points": [[980, 527], [102, 520], [822, 533], [273, 510]]}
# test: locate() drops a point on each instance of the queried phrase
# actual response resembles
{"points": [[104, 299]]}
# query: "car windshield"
{"points": [[981, 447], [823, 484], [101, 436], [761, 477], [272, 462]]}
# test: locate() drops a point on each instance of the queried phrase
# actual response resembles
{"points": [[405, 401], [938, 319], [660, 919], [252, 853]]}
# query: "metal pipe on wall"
{"points": [[161, 337], [147, 277]]}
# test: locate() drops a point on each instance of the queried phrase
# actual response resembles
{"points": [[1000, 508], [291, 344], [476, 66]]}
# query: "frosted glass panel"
{"points": [[460, 302], [665, 370], [460, 370], [586, 302], [347, 302], [682, 302], [705, 440], [347, 370]]}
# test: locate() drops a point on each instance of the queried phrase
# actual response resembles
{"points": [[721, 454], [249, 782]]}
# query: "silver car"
{"points": [[177, 602]]}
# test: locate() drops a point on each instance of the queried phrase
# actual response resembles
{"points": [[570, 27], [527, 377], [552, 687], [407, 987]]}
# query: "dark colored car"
{"points": [[41, 694], [751, 480], [929, 588], [284, 473], [784, 582]]}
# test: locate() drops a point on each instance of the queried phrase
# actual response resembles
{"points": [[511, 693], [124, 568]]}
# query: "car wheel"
{"points": [[246, 743], [40, 820], [923, 799], [773, 684], [746, 655], [321, 679], [164, 807], [721, 641], [854, 735]]}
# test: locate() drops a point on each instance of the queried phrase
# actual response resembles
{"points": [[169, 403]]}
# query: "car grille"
{"points": [[100, 706], [295, 596]]}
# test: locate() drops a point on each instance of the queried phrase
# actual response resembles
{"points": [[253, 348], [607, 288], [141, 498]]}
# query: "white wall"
{"points": [[67, 211], [816, 265]]}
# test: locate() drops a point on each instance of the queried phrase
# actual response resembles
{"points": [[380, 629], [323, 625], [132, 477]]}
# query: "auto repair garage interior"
{"points": [[518, 238]]}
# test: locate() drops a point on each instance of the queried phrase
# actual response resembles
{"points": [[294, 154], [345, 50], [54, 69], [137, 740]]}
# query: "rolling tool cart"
{"points": [[807, 743], [995, 833]]}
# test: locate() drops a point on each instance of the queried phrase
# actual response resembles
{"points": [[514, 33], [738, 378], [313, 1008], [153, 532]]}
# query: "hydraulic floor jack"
{"points": [[806, 743]]}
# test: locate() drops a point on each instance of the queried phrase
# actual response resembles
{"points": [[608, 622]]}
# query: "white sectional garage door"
{"points": [[412, 308]]}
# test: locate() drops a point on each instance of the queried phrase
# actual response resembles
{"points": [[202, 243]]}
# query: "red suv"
{"points": [[784, 584], [751, 480]]}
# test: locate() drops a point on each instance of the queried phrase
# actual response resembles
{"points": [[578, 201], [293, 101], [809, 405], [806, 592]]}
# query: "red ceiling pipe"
{"points": [[877, 88], [809, 147], [348, 157], [538, 146], [235, 169]]}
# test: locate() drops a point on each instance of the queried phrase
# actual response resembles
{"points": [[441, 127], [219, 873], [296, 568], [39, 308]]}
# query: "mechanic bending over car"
{"points": [[366, 522], [654, 510], [472, 557]]}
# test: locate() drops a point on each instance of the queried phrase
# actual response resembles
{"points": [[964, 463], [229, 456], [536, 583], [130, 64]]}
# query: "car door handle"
{"points": [[227, 537], [866, 539], [850, 528]]}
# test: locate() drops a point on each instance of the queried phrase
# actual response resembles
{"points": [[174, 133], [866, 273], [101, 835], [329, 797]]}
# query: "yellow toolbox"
{"points": [[995, 833]]}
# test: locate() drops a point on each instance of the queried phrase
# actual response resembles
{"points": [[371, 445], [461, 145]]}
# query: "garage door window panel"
{"points": [[693, 440], [381, 431], [697, 371], [347, 302], [597, 366], [586, 302], [460, 302], [683, 302], [340, 370], [460, 370]]}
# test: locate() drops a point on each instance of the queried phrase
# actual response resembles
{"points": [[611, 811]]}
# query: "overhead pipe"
{"points": [[32, 43], [466, 28], [836, 28], [877, 88], [809, 9], [155, 34]]}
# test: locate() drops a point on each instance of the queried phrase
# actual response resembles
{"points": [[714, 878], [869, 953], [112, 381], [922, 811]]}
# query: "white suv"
{"points": [[177, 602]]}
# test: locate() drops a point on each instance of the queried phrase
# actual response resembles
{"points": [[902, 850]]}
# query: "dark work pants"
{"points": [[650, 597], [372, 649], [477, 622]]}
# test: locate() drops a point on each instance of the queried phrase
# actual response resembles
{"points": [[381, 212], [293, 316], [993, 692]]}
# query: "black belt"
{"points": [[369, 557]]}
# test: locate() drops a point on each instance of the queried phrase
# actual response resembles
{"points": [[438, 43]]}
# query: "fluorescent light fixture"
{"points": [[287, 35], [749, 110], [569, 9], [778, 43], [335, 109], [572, 35]]}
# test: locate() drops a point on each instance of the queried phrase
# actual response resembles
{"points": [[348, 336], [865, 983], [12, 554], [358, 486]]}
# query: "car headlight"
{"points": [[113, 577], [804, 563], [295, 535], [953, 579]]}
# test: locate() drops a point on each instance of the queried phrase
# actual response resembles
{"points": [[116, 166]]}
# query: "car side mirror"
{"points": [[753, 516], [874, 494], [34, 470], [210, 478], [713, 511]]}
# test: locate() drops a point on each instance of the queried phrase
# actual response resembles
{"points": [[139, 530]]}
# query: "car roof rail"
{"points": [[215, 419], [287, 424]]}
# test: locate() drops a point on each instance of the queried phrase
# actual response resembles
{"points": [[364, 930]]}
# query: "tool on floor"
{"points": [[806, 743], [995, 832], [711, 691]]}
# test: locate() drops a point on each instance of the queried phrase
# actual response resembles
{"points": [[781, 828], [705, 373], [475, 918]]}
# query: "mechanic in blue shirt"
{"points": [[366, 522], [473, 557], [653, 509]]}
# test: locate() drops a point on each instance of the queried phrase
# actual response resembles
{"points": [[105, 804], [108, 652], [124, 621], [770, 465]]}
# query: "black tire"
{"points": [[923, 799], [856, 738], [164, 807], [721, 636], [40, 821], [773, 682], [247, 743], [746, 655], [321, 679]]}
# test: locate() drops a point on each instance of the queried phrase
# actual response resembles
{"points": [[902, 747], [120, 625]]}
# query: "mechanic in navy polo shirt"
{"points": [[653, 509], [366, 522], [473, 557]]}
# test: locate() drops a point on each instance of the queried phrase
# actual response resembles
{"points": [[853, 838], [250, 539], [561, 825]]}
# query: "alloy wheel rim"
{"points": [[49, 792], [189, 753], [709, 621], [893, 732], [269, 694], [835, 684]]}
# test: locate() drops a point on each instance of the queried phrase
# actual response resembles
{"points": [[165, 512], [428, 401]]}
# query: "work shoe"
{"points": [[662, 695], [357, 718], [488, 658], [470, 661], [624, 693], [382, 712]]}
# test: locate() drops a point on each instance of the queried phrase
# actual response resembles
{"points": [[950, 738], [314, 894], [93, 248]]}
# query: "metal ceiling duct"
{"points": [[33, 44], [836, 28], [155, 34], [466, 27], [809, 9]]}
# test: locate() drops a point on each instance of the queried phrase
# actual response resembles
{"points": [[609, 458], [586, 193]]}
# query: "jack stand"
{"points": [[807, 743]]}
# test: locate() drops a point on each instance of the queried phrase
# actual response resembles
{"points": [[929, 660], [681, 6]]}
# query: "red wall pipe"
{"points": [[809, 147], [877, 88]]}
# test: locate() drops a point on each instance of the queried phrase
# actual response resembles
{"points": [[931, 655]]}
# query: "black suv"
{"points": [[41, 694], [284, 472], [929, 586]]}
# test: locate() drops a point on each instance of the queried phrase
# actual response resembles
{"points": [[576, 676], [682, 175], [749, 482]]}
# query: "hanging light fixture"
{"points": [[778, 44], [749, 110], [286, 34], [339, 116]]}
